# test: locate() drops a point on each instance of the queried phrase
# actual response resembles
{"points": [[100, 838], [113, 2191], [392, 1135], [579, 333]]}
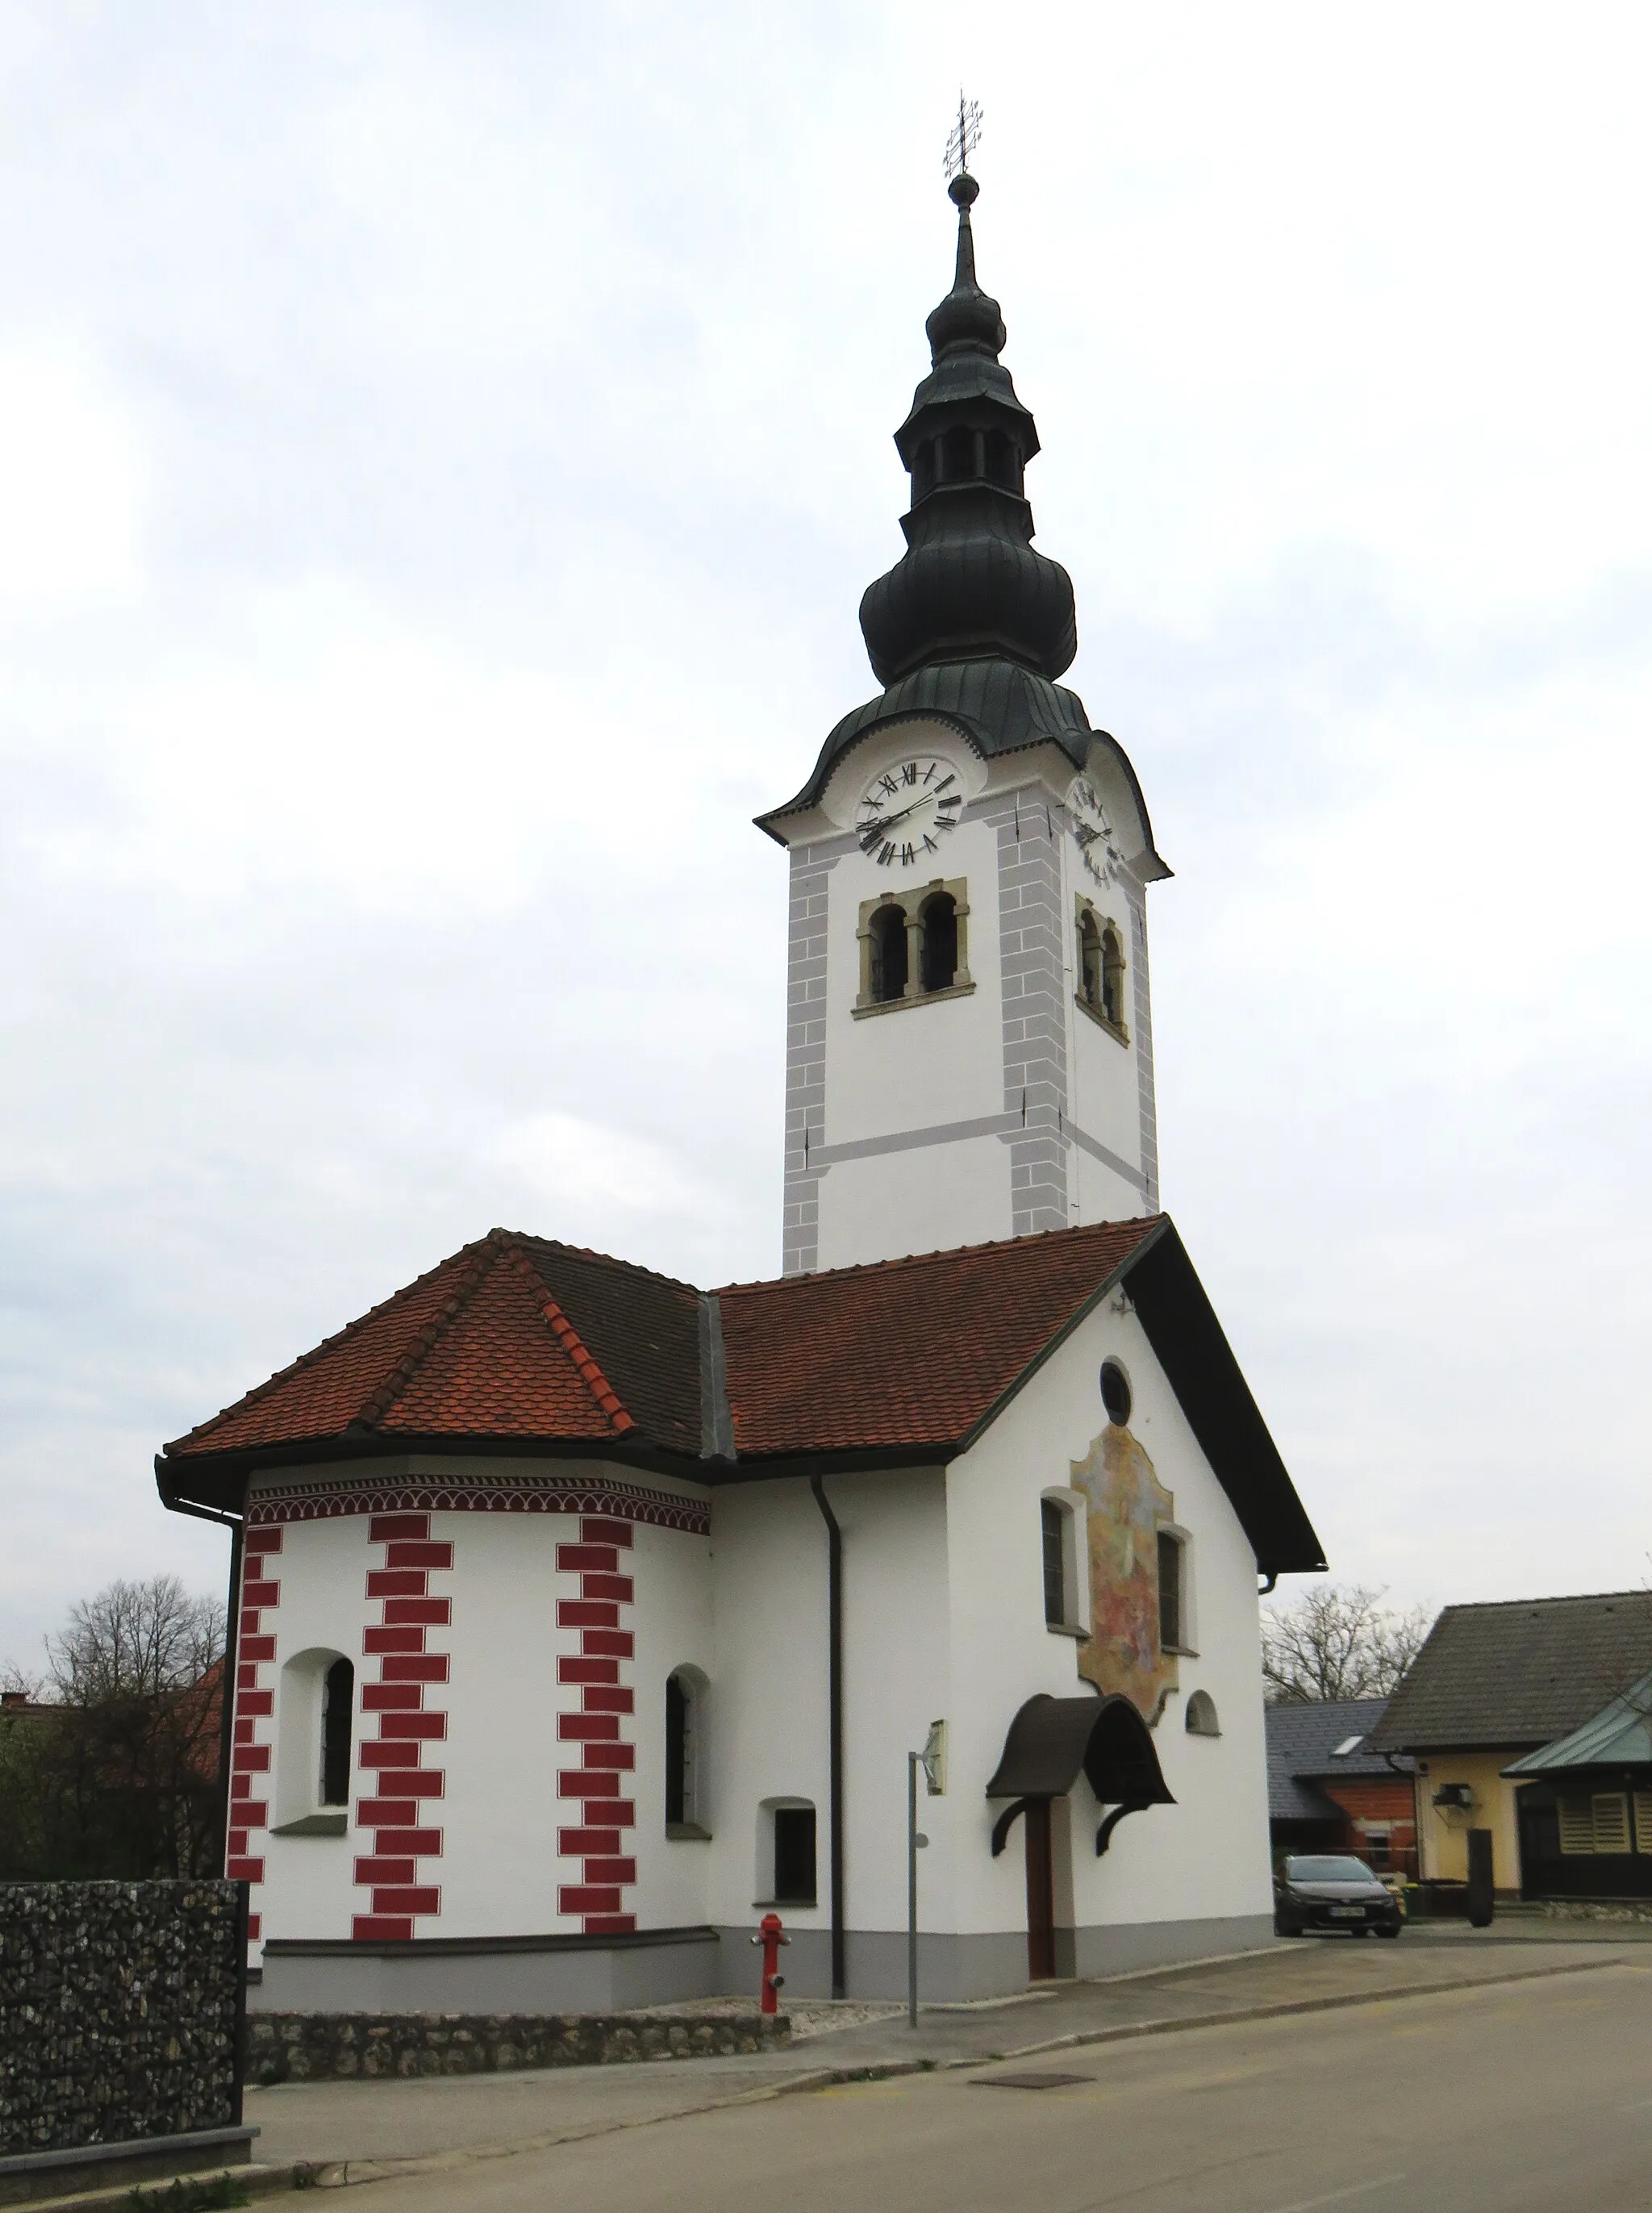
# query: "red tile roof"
{"points": [[480, 1347], [913, 1352], [520, 1339]]}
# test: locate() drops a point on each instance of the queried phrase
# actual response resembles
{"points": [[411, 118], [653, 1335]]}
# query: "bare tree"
{"points": [[1338, 1640], [112, 1768]]}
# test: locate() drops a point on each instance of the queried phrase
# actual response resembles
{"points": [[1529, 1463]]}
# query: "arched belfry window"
{"points": [[938, 962], [1098, 964], [888, 978], [1089, 960], [914, 947], [1113, 977]]}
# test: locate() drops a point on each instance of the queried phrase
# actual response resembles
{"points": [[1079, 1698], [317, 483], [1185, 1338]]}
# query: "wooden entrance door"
{"points": [[1040, 1893]]}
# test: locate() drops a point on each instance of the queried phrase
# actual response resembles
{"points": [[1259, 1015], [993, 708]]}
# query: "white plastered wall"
{"points": [[308, 1888], [769, 1685], [924, 1200], [500, 1811], [1206, 1856], [674, 1629]]}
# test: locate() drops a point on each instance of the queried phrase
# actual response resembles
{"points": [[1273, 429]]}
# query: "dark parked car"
{"points": [[1329, 1890]]}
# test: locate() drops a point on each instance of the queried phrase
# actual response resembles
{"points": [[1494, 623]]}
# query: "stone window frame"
{"points": [[911, 903], [1105, 924]]}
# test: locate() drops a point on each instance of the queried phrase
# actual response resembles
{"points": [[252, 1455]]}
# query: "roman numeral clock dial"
{"points": [[907, 811]]}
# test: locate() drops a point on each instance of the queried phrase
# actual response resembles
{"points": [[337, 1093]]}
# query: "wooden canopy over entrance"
{"points": [[1050, 1743]]}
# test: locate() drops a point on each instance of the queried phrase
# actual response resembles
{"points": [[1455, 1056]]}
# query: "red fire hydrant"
{"points": [[771, 1937]]}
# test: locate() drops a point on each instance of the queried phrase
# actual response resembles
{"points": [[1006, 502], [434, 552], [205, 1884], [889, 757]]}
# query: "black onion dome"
{"points": [[970, 583]]}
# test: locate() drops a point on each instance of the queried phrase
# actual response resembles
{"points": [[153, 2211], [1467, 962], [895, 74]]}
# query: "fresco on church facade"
{"points": [[1128, 1504]]}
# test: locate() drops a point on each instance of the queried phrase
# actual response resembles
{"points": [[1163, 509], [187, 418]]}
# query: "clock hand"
{"points": [[889, 821]]}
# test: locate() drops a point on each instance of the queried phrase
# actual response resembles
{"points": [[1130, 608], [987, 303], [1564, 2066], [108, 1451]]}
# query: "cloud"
{"points": [[70, 483], [442, 451]]}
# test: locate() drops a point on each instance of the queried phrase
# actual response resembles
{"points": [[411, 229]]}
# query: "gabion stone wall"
{"points": [[121, 2010], [298, 2047]]}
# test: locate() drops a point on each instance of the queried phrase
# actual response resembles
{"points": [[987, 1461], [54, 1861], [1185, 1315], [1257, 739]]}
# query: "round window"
{"points": [[1115, 1392]]}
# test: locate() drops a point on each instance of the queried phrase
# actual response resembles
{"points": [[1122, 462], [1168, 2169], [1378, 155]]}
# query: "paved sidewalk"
{"points": [[361, 2127]]}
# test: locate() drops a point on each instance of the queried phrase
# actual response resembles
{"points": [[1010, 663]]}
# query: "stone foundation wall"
{"points": [[298, 2047], [119, 2011]]}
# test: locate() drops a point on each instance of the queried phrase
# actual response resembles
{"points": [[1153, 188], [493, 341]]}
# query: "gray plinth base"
{"points": [[32, 2175], [991, 1964], [558, 1975], [537, 1975]]}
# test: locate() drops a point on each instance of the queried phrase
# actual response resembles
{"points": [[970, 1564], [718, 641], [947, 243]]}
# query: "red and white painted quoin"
{"points": [[605, 1838], [382, 1581], [251, 1759], [397, 1764]]}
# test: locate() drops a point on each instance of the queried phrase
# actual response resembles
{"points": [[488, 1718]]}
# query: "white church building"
{"points": [[582, 1616]]}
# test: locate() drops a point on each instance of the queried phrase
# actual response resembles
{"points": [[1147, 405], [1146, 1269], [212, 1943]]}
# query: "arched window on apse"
{"points": [[338, 1710], [938, 963], [685, 1751], [888, 978]]}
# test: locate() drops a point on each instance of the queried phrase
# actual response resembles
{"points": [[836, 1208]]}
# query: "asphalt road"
{"points": [[1535, 2095]]}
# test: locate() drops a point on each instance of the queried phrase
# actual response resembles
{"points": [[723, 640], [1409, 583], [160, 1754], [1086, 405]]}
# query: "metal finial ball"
{"points": [[963, 191]]}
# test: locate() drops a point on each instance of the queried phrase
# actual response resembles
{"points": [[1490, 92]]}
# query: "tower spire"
{"points": [[970, 586]]}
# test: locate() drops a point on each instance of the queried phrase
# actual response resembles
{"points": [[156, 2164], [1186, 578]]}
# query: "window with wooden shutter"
{"points": [[1643, 1820], [1576, 1825], [1610, 1821]]}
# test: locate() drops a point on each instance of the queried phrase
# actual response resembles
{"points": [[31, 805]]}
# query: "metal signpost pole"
{"points": [[914, 1760]]}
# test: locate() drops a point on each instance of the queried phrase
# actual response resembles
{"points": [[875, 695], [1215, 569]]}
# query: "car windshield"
{"points": [[1327, 1868]]}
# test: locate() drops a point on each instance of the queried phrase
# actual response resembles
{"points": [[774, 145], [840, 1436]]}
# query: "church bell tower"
{"points": [[969, 1040]]}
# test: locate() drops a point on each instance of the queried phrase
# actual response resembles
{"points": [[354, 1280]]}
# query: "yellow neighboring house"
{"points": [[1492, 1684]]}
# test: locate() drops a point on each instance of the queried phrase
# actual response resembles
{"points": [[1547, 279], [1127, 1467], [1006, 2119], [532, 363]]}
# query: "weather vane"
{"points": [[966, 137]]}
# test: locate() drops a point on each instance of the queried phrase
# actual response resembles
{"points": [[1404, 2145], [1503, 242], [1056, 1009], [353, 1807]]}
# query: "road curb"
{"points": [[335, 2174], [343, 2174], [257, 2179]]}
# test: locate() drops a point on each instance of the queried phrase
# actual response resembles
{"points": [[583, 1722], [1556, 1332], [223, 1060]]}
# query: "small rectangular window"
{"points": [[1169, 1592], [1055, 1562], [794, 1855]]}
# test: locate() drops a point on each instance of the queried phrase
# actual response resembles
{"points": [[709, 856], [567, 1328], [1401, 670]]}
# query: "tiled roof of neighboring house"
{"points": [[1303, 1740], [1518, 1671], [1619, 1735], [519, 1338]]}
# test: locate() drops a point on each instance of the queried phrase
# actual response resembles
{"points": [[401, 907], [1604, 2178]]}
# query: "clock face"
{"points": [[907, 810], [1093, 831]]}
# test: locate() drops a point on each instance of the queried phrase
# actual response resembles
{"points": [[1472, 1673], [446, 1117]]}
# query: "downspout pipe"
{"points": [[835, 1726], [233, 1523]]}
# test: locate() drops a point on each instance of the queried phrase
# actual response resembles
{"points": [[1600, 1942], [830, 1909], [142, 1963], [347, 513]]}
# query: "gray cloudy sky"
{"points": [[442, 448]]}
